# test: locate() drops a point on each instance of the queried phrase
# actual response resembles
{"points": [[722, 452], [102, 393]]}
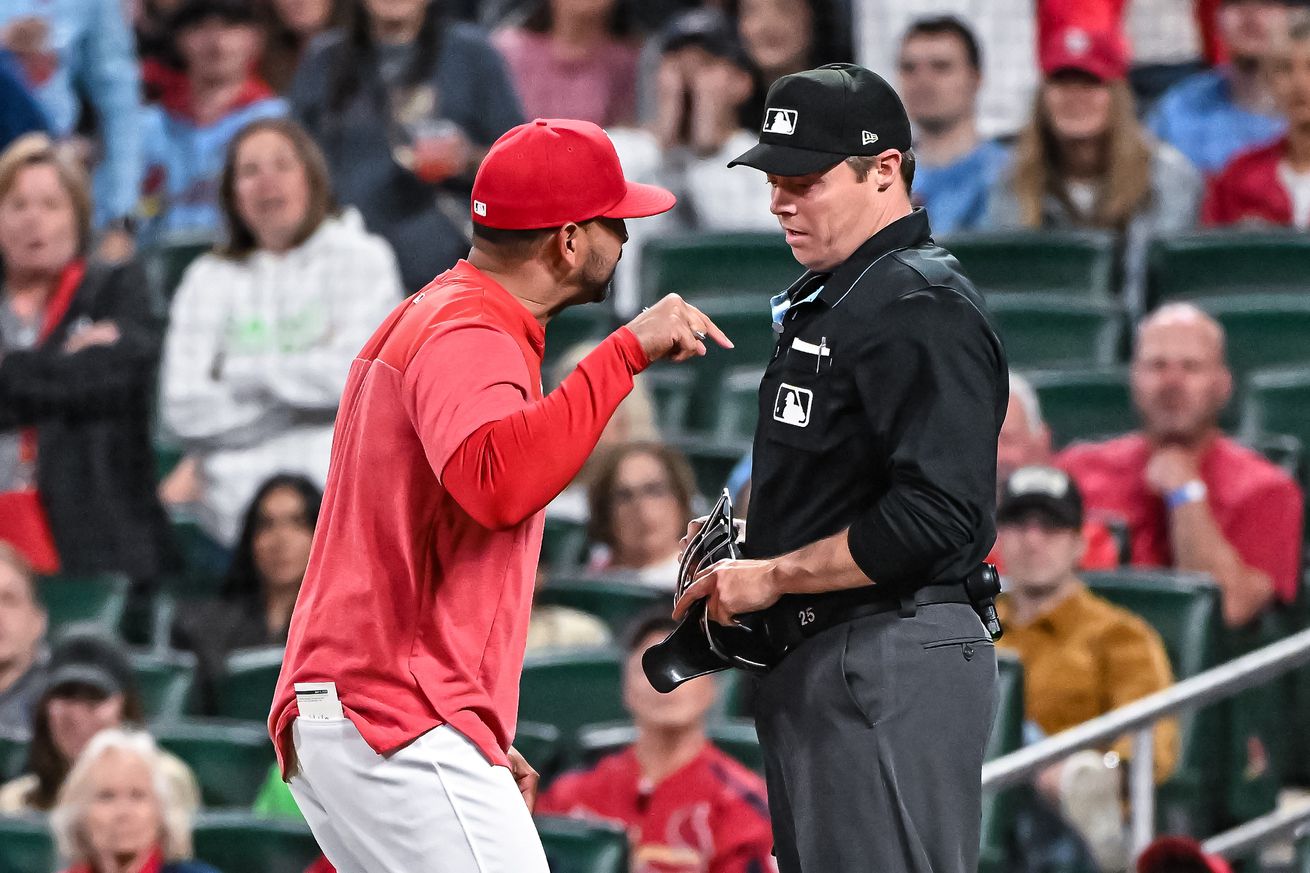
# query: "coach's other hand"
{"points": [[525, 776], [675, 329]]}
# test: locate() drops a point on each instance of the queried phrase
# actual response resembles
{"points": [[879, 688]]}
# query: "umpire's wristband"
{"points": [[1189, 492]]}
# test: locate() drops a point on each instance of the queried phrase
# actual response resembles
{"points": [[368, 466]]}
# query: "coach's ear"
{"points": [[569, 246]]}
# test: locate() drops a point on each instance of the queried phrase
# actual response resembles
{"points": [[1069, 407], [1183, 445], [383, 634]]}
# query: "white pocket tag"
{"points": [[801, 345], [317, 701]]}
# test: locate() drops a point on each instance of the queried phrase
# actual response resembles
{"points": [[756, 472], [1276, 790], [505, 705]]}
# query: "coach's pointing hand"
{"points": [[525, 776], [675, 329]]}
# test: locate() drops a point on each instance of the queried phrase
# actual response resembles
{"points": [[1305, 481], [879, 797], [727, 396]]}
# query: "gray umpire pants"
{"points": [[873, 733]]}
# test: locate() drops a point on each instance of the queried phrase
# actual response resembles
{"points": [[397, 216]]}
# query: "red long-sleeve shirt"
{"points": [[416, 598]]}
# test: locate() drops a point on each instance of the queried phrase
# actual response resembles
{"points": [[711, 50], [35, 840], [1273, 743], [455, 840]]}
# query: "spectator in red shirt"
{"points": [[1271, 184], [1193, 498], [1025, 441], [687, 806]]}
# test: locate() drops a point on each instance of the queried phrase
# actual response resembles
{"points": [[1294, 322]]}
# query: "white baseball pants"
{"points": [[435, 806]]}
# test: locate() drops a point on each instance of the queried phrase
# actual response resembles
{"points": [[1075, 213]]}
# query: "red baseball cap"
{"points": [[1179, 853], [1100, 53], [552, 171]]}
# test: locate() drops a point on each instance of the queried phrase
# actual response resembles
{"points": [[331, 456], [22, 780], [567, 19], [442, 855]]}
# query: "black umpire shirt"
{"points": [[880, 412]]}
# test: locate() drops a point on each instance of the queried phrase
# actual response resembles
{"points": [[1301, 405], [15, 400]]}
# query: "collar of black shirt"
{"points": [[906, 231]]}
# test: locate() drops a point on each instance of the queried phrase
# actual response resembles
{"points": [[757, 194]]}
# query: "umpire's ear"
{"points": [[886, 168]]}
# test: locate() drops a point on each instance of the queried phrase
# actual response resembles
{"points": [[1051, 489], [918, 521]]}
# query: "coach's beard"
{"points": [[597, 289]]}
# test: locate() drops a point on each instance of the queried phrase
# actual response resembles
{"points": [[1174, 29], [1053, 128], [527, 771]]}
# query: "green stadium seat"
{"points": [[1278, 401], [171, 259], [709, 265], [746, 322], [230, 760], [670, 387], [1000, 808], [563, 543], [204, 562], [739, 404], [1078, 263], [81, 602], [238, 841], [26, 845], [574, 846], [613, 601], [245, 691], [1084, 405], [1184, 609], [166, 679], [571, 689], [574, 325], [540, 745], [1042, 330], [1263, 330], [737, 737], [13, 755], [711, 460], [167, 456], [1211, 263]]}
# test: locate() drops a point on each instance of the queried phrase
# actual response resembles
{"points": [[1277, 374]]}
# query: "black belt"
{"points": [[808, 620]]}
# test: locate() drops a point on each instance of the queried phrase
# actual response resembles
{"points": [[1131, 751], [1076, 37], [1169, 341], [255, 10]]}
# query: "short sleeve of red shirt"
{"points": [[460, 380], [1266, 532]]}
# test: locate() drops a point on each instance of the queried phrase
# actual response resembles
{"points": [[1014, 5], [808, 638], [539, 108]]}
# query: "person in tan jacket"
{"points": [[1082, 656]]}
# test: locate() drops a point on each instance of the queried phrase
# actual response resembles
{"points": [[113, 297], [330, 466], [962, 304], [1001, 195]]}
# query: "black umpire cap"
{"points": [[1048, 491], [816, 119]]}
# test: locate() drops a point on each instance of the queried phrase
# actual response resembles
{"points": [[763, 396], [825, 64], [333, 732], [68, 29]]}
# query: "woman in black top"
{"points": [[263, 581]]}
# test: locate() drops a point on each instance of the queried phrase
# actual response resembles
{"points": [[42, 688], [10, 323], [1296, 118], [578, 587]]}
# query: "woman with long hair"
{"points": [[264, 328], [262, 583], [405, 104], [574, 59], [1084, 161], [783, 37], [292, 25]]}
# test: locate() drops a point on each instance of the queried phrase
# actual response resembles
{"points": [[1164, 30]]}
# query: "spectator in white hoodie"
{"points": [[264, 329]]}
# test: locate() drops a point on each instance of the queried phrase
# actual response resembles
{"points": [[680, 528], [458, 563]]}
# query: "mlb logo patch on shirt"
{"points": [[781, 121], [792, 405]]}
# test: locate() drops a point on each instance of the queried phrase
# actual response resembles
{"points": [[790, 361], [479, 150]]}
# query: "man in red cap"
{"points": [[396, 706]]}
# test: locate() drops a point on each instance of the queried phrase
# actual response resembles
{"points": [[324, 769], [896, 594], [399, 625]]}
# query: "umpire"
{"points": [[873, 493]]}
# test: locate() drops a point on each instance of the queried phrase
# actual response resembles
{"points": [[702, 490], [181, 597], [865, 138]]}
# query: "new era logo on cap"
{"points": [[780, 121], [479, 208], [868, 138]]}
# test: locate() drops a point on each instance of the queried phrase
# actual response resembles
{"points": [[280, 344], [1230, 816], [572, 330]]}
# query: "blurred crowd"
{"points": [[207, 207]]}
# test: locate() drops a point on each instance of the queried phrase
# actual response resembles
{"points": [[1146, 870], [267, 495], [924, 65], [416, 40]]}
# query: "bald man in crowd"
{"points": [[1193, 498]]}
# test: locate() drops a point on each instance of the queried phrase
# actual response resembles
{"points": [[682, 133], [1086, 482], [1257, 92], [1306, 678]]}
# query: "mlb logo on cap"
{"points": [[781, 121]]}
